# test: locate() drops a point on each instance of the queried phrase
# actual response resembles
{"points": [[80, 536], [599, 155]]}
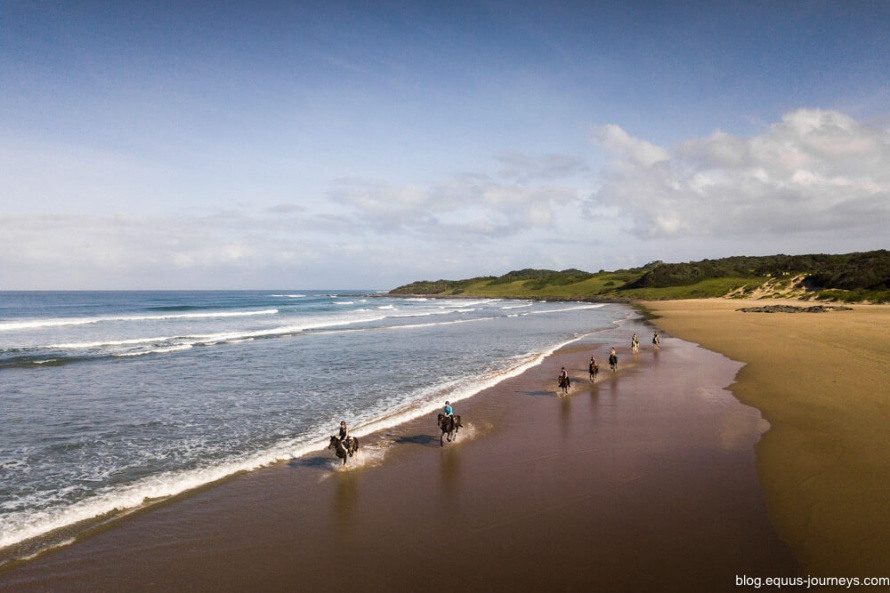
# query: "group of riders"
{"points": [[346, 440], [564, 381], [593, 368]]}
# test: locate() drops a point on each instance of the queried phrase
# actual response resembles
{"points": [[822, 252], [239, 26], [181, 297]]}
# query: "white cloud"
{"points": [[521, 197], [521, 167], [813, 171], [628, 148]]}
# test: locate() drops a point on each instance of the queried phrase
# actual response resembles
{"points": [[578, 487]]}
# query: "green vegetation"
{"points": [[852, 277]]}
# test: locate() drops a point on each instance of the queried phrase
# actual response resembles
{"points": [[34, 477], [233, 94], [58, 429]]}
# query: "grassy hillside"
{"points": [[853, 277]]}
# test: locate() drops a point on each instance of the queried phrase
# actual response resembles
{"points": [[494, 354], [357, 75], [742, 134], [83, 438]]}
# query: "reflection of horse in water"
{"points": [[613, 362], [449, 425], [344, 451], [594, 370], [564, 384]]}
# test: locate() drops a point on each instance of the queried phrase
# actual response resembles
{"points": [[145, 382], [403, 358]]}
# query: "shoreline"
{"points": [[32, 547], [644, 480], [820, 379]]}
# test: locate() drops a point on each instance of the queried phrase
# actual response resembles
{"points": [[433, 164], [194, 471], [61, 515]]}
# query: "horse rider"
{"points": [[635, 344], [344, 435], [592, 368], [655, 339], [613, 359], [448, 410], [563, 376]]}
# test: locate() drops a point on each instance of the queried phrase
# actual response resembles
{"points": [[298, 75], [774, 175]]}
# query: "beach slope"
{"points": [[821, 380]]}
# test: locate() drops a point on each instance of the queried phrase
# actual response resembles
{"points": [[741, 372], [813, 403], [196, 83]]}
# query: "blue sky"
{"points": [[190, 145]]}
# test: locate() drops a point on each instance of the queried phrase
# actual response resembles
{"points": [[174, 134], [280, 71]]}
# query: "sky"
{"points": [[365, 145]]}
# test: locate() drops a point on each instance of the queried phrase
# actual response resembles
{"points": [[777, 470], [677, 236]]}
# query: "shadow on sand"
{"points": [[313, 462], [423, 440], [538, 393]]}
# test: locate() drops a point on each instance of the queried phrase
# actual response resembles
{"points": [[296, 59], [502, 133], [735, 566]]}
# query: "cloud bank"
{"points": [[815, 181], [358, 231], [815, 171], [521, 196]]}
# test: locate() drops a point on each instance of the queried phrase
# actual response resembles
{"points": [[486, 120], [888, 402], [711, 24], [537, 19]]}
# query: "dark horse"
{"points": [[449, 426], [594, 369], [613, 362], [564, 384], [342, 451]]}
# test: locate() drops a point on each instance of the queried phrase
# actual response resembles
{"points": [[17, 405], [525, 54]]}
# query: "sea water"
{"points": [[111, 398]]}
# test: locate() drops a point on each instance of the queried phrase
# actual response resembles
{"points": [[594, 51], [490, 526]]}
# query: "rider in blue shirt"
{"points": [[448, 411]]}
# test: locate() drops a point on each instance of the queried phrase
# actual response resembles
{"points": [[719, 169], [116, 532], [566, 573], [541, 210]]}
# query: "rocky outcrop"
{"points": [[792, 309]]}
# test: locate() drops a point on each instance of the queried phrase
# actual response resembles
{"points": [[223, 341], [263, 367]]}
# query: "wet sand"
{"points": [[822, 380], [642, 481]]}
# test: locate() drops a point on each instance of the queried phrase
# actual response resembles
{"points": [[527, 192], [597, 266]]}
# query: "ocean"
{"points": [[110, 399]]}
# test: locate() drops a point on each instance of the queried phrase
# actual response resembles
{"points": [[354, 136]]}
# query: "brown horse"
{"points": [[594, 370], [449, 426], [564, 384], [342, 450]]}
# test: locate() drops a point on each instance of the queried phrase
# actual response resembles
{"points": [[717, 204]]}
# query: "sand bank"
{"points": [[822, 380], [642, 481]]}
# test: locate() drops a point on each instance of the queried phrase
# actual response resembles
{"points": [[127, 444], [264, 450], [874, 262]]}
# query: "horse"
{"points": [[564, 384], [594, 369], [342, 451], [449, 425], [613, 362]]}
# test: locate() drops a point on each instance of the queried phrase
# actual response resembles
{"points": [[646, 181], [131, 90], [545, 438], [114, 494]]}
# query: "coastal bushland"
{"points": [[851, 277]]}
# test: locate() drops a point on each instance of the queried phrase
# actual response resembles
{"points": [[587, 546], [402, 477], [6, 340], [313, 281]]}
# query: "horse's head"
{"points": [[334, 442], [440, 419]]}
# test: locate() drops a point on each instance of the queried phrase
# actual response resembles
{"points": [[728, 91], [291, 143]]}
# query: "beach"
{"points": [[644, 480], [821, 380]]}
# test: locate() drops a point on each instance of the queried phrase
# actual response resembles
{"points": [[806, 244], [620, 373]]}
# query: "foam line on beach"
{"points": [[458, 390], [63, 322], [576, 308], [163, 486], [146, 491]]}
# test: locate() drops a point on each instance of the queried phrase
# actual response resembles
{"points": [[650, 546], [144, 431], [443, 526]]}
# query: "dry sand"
{"points": [[822, 380], [642, 481]]}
